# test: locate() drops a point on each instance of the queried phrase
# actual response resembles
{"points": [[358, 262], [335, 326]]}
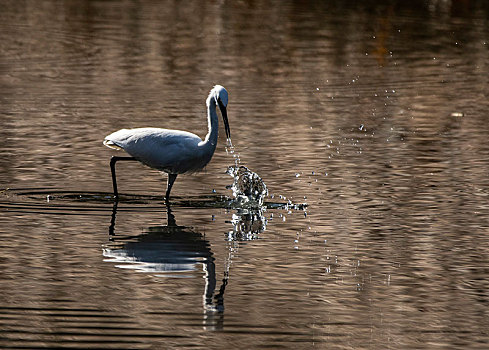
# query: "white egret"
{"points": [[172, 151]]}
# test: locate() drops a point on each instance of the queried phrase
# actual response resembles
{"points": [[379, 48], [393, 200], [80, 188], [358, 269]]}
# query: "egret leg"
{"points": [[113, 160], [171, 180]]}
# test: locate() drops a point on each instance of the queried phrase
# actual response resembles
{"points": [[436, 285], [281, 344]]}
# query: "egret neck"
{"points": [[210, 141]]}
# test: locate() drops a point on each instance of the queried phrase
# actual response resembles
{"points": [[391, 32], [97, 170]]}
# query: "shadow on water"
{"points": [[43, 196], [163, 251], [172, 251]]}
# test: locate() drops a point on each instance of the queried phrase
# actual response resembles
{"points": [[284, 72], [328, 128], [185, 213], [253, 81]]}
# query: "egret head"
{"points": [[220, 96], [220, 93]]}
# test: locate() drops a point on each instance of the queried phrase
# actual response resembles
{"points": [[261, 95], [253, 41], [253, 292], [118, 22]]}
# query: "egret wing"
{"points": [[168, 150]]}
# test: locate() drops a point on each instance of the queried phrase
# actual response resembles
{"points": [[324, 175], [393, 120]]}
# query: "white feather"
{"points": [[172, 151]]}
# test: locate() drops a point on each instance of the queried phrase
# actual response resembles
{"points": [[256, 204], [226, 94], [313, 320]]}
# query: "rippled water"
{"points": [[374, 115]]}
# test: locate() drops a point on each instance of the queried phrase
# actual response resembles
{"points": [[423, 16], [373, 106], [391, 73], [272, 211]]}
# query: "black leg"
{"points": [[171, 180], [113, 160], [220, 297], [171, 218], [112, 221]]}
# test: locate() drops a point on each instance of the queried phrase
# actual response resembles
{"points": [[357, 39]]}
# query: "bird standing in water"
{"points": [[172, 151]]}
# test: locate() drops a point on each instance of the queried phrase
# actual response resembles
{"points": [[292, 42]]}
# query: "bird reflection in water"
{"points": [[172, 250]]}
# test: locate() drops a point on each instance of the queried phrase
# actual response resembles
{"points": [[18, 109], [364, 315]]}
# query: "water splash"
{"points": [[250, 191], [248, 188], [231, 150]]}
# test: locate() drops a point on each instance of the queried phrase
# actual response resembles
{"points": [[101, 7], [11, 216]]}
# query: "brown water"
{"points": [[375, 115]]}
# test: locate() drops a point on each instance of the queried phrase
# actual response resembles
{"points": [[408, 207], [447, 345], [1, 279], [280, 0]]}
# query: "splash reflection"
{"points": [[247, 224]]}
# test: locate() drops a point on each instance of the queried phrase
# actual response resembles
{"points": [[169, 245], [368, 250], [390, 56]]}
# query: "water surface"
{"points": [[374, 115]]}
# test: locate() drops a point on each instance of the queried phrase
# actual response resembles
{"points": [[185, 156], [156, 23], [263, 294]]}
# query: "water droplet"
{"points": [[457, 114], [297, 175]]}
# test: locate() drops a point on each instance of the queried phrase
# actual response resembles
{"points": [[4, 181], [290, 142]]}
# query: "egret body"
{"points": [[172, 151]]}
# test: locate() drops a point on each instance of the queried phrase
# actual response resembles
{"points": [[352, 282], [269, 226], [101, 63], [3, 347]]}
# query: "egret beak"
{"points": [[225, 119]]}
